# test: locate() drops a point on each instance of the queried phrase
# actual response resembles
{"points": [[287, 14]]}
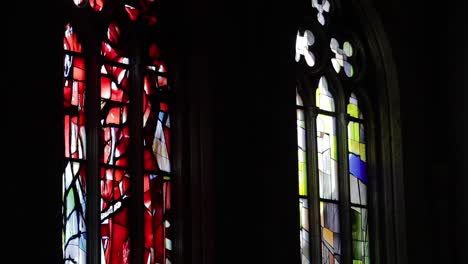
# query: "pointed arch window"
{"points": [[333, 174], [117, 177]]}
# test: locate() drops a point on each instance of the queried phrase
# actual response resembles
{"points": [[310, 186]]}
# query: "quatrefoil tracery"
{"points": [[302, 47], [322, 8], [341, 57]]}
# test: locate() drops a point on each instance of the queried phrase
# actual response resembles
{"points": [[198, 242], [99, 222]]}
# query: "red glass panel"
{"points": [[151, 19], [78, 68], [154, 83], [115, 185], [132, 12], [67, 93], [115, 147], [113, 54], [157, 203], [149, 85], [113, 48], [114, 83], [162, 81], [70, 41], [97, 5], [141, 9], [115, 238], [164, 107], [154, 51], [146, 111], [113, 33], [114, 116], [150, 162]]}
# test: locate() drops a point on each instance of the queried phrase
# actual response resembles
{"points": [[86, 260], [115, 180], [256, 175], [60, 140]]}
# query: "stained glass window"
{"points": [[331, 136], [114, 143], [118, 80], [358, 182], [157, 181], [74, 175], [327, 161]]}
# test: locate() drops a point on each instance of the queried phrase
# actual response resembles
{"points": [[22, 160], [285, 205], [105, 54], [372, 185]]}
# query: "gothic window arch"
{"points": [[339, 174], [117, 177]]}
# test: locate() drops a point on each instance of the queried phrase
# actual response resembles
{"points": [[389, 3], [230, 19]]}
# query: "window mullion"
{"points": [[343, 176], [136, 157], [93, 93], [313, 185]]}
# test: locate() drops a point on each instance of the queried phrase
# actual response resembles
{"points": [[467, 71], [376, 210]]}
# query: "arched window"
{"points": [[117, 129], [337, 190]]}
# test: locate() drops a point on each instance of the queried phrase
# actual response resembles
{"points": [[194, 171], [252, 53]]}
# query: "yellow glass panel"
{"points": [[317, 97], [333, 148], [362, 149], [355, 131], [302, 167], [302, 178], [327, 235], [353, 146], [353, 110], [321, 213]]}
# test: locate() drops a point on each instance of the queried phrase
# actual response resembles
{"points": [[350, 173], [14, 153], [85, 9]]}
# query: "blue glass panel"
{"points": [[357, 167]]}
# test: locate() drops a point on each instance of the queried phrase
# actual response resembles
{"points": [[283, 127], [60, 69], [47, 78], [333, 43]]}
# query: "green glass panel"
{"points": [[360, 235], [356, 225], [350, 71], [357, 249]]}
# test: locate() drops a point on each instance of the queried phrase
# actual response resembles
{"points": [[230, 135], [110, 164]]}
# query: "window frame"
{"points": [[84, 22], [306, 87], [384, 156]]}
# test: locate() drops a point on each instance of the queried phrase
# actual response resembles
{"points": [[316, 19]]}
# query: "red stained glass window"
{"points": [[116, 118], [74, 188], [156, 125]]}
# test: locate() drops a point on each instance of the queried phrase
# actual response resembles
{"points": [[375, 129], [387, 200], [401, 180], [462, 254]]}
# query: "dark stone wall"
{"points": [[430, 50]]}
